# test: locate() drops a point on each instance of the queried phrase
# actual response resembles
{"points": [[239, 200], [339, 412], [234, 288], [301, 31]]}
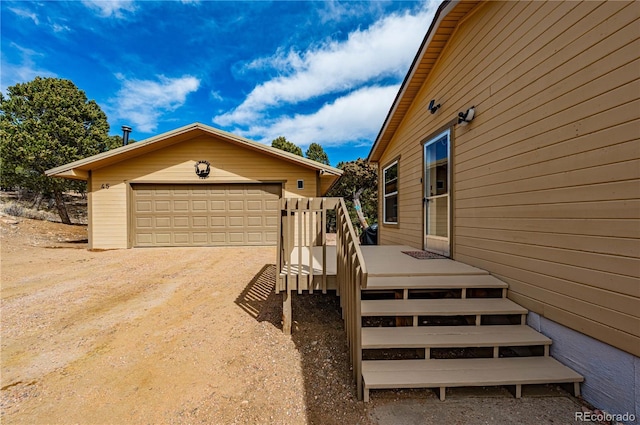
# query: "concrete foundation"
{"points": [[612, 376]]}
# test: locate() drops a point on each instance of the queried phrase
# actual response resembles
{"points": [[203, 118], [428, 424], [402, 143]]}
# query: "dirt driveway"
{"points": [[193, 335], [187, 335]]}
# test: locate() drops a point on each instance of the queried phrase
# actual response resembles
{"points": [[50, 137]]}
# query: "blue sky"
{"points": [[324, 72]]}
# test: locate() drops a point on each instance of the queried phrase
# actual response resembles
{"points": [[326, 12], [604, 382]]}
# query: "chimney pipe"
{"points": [[125, 135]]}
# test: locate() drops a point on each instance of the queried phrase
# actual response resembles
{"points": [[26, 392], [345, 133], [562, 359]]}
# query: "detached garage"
{"points": [[194, 186]]}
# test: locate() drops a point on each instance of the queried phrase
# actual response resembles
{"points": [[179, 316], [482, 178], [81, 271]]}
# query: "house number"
{"points": [[105, 186]]}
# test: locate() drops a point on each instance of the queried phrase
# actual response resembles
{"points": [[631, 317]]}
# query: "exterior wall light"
{"points": [[433, 107], [465, 118]]}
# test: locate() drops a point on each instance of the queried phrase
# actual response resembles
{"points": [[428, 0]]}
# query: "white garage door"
{"points": [[205, 214]]}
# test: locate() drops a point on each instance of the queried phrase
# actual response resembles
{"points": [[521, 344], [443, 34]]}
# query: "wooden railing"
{"points": [[302, 228], [352, 277]]}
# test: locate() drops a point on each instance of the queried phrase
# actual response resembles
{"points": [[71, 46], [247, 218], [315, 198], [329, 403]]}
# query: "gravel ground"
{"points": [[190, 335], [187, 335]]}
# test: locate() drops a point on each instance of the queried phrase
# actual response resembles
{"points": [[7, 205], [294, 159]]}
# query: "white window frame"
{"points": [[386, 195]]}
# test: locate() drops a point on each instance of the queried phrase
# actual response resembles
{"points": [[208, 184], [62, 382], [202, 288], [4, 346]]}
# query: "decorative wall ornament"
{"points": [[203, 168]]}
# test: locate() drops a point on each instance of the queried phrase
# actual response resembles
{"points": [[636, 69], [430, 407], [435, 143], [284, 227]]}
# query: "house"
{"points": [[510, 154], [193, 186], [513, 146]]}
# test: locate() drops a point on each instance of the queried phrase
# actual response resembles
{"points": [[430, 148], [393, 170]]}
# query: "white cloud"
{"points": [[141, 103], [60, 28], [23, 13], [385, 49], [334, 10], [216, 96], [25, 71], [28, 14], [107, 8], [355, 117]]}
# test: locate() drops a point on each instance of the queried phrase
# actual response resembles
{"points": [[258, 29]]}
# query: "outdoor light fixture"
{"points": [[433, 107], [465, 118]]}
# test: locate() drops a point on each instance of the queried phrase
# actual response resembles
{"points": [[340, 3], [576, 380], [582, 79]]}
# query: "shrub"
{"points": [[17, 210]]}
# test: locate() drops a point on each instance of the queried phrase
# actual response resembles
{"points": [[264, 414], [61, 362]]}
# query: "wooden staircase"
{"points": [[410, 323], [451, 331]]}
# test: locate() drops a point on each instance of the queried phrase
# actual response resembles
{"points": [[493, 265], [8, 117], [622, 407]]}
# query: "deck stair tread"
{"points": [[451, 336], [440, 307], [435, 282], [465, 372]]}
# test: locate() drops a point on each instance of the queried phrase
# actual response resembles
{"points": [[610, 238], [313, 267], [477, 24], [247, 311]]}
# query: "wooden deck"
{"points": [[392, 302], [419, 323], [383, 261], [394, 273], [389, 260]]}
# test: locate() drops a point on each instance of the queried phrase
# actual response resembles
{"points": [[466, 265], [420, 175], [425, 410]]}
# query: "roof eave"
{"points": [[84, 164], [71, 174], [443, 10]]}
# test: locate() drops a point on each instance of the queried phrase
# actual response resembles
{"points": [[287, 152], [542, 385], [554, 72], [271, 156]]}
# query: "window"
{"points": [[390, 190], [300, 184]]}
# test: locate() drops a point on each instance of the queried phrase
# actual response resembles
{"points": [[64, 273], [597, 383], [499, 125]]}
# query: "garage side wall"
{"points": [[176, 164], [545, 179]]}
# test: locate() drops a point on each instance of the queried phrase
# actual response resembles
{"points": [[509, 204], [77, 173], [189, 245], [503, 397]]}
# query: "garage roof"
{"points": [[79, 170]]}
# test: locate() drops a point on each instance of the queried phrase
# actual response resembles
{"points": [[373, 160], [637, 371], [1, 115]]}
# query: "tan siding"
{"points": [[547, 177], [175, 164], [90, 210]]}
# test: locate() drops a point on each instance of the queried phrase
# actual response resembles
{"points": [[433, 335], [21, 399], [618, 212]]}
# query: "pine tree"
{"points": [[46, 123], [316, 153], [285, 145]]}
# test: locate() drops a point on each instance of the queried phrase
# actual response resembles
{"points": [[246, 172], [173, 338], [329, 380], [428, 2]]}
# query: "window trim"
{"points": [[385, 195]]}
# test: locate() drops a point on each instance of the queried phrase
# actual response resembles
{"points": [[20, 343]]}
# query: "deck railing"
{"points": [[302, 227], [352, 277]]}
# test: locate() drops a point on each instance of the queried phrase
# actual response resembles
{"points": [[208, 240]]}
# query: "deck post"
{"points": [[280, 248], [361, 276], [286, 311], [323, 230], [289, 249], [310, 243], [300, 217]]}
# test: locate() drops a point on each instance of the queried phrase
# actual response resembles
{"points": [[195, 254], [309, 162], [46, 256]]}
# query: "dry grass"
{"points": [[19, 204], [16, 209]]}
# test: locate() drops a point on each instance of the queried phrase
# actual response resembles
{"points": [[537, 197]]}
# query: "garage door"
{"points": [[205, 215]]}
